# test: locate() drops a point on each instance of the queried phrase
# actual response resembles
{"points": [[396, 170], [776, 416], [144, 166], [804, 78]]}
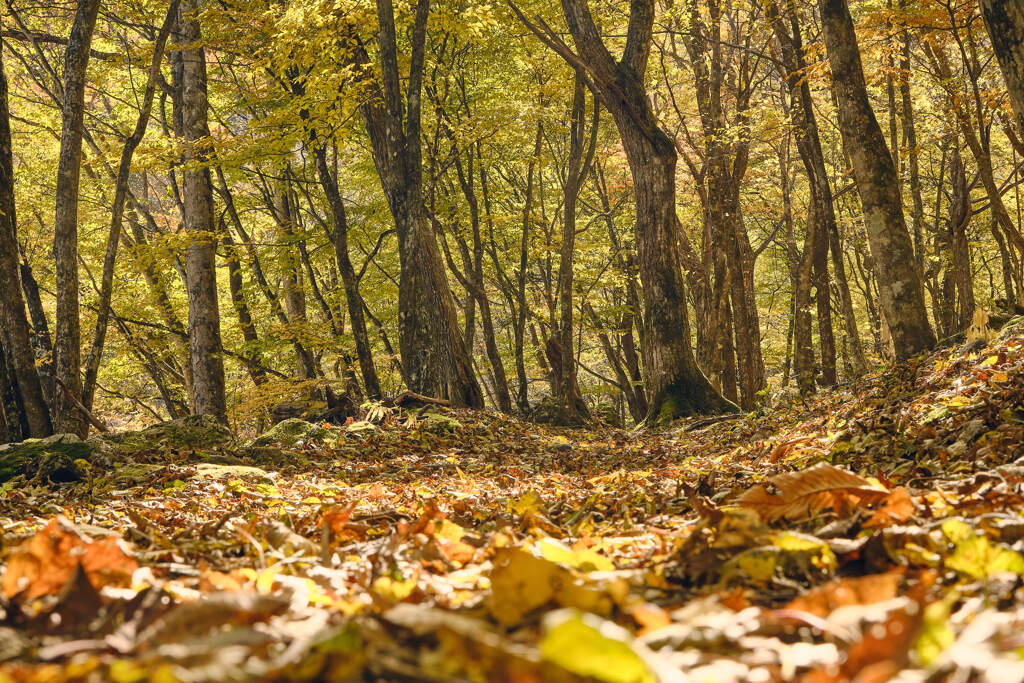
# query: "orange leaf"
{"points": [[810, 491], [44, 563], [864, 590], [896, 508]]}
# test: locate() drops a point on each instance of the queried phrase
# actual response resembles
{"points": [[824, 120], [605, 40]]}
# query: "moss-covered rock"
{"points": [[194, 432], [544, 411], [134, 474], [53, 458], [1013, 328], [242, 472], [290, 432], [439, 424]]}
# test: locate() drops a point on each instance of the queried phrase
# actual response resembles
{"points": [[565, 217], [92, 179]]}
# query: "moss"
{"points": [[51, 458], [439, 424], [290, 432], [685, 399], [1013, 328], [192, 432], [134, 474]]}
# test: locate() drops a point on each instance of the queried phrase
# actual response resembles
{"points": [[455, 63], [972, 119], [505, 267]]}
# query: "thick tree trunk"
{"points": [[67, 346], [14, 330], [435, 358], [900, 290], [203, 314], [1004, 20], [676, 385]]}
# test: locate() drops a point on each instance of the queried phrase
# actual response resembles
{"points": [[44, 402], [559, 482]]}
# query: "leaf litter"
{"points": [[873, 533]]}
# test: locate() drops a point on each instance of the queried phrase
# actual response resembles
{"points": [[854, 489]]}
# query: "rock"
{"points": [[439, 424], [53, 458], [134, 474], [193, 432], [291, 432], [269, 456], [243, 472], [1014, 327]]}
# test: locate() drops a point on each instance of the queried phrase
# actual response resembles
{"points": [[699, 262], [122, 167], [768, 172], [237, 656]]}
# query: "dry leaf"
{"points": [[44, 563], [810, 491]]}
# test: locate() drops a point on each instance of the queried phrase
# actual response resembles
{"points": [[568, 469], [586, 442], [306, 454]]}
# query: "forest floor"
{"points": [[873, 532]]}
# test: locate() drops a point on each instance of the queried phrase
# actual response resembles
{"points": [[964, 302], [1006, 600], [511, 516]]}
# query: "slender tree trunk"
{"points": [[39, 333], [570, 400], [913, 154], [67, 347], [205, 347], [339, 240], [813, 157], [901, 293], [252, 357], [23, 382], [92, 363], [803, 347]]}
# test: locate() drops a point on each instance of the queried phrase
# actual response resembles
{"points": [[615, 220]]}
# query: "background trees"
{"points": [[660, 207]]}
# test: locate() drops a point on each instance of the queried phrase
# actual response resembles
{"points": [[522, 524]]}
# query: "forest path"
{"points": [[873, 529]]}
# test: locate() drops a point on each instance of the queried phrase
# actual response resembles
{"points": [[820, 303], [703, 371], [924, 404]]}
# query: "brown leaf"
{"points": [[863, 590], [810, 491], [43, 564], [896, 508]]}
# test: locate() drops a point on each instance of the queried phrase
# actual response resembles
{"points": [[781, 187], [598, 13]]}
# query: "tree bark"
{"points": [[14, 329], [434, 355], [570, 403], [339, 240], [1004, 20], [676, 385], [67, 351], [900, 290], [811, 154], [205, 348], [92, 363]]}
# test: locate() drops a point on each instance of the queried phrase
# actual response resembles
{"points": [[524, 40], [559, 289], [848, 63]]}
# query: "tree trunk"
{"points": [[900, 290], [252, 357], [570, 400], [203, 315], [809, 146], [434, 355], [67, 346], [23, 381], [92, 363], [339, 240], [1004, 20], [676, 385]]}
